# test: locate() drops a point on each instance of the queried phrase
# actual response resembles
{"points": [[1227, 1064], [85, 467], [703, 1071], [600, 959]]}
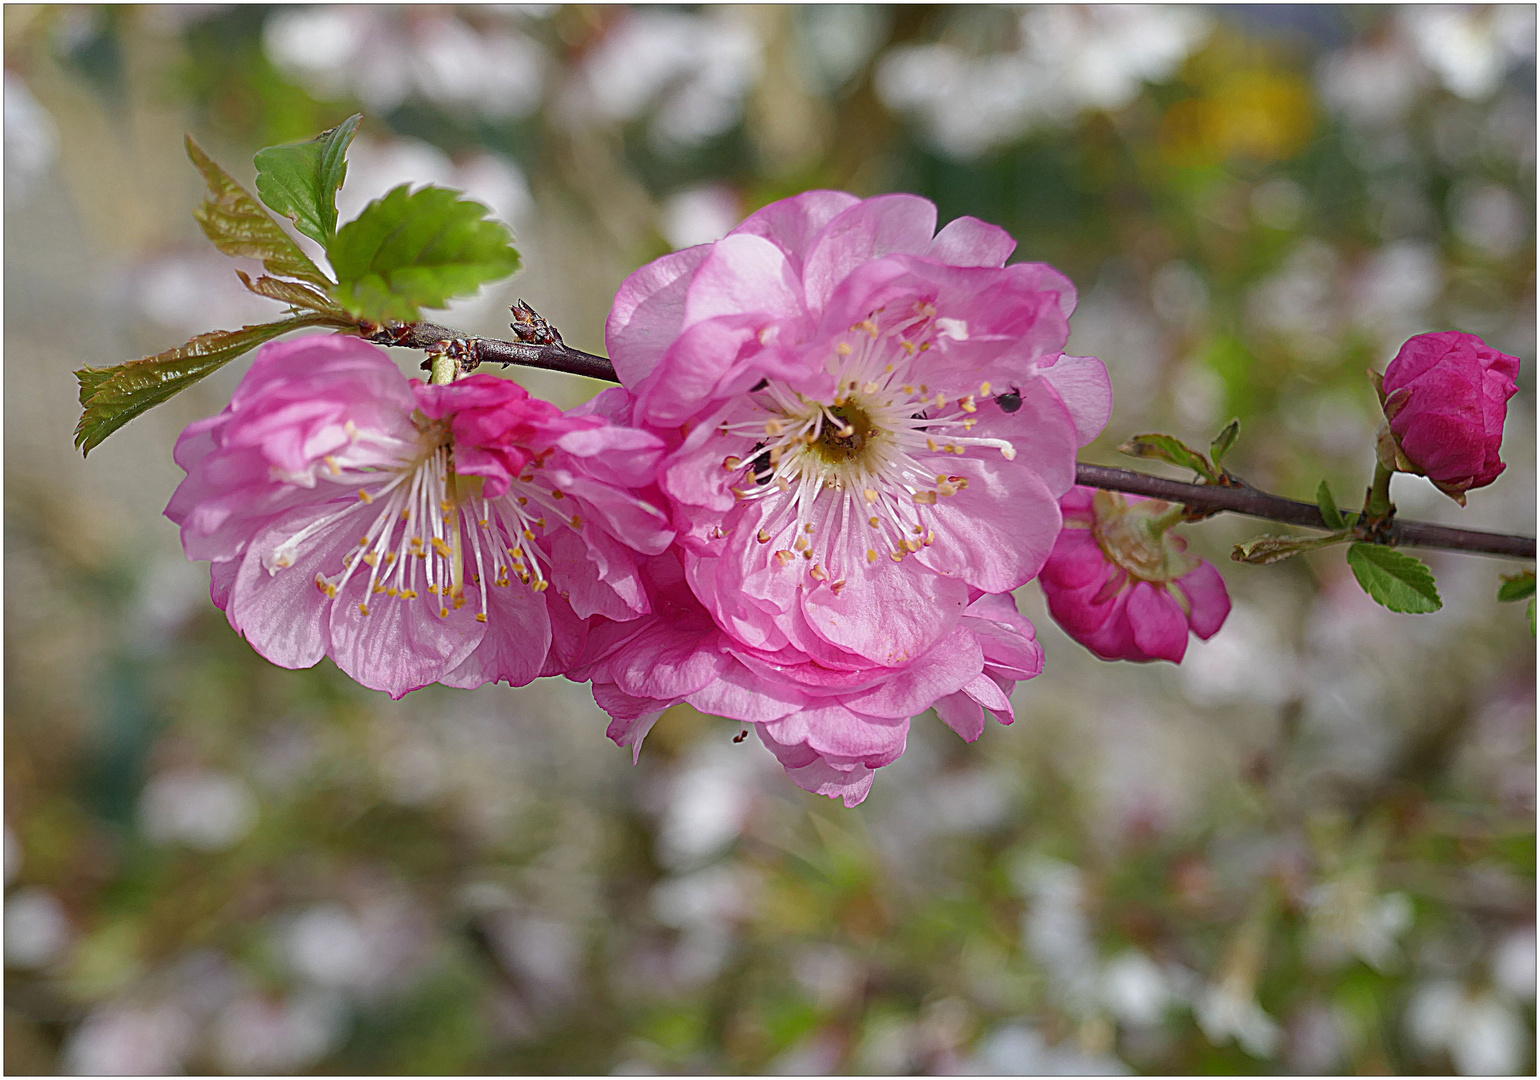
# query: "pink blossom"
{"points": [[410, 532], [1120, 583], [830, 727], [868, 426], [1446, 397]]}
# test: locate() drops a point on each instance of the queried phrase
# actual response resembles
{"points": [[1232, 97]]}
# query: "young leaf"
{"points": [[1170, 449], [1517, 586], [295, 294], [1328, 507], [300, 180], [113, 396], [238, 225], [1394, 579], [1224, 440], [1265, 550], [417, 249]]}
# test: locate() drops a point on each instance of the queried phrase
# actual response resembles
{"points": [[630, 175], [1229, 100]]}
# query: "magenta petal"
{"points": [[1210, 600], [1159, 627]]}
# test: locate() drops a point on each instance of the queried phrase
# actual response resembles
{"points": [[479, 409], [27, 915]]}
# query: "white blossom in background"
{"points": [[1056, 931], [1347, 917], [1471, 50], [1245, 662], [371, 951], [37, 931], [835, 41], [1135, 989], [1019, 1050], [1481, 1034], [1224, 1013], [31, 140], [151, 1039], [1068, 60], [1513, 964], [699, 215], [257, 1034], [1489, 217], [708, 801], [706, 906], [691, 73], [202, 809], [336, 52]]}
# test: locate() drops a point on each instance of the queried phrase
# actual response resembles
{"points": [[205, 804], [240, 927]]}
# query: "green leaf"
{"points": [[1517, 586], [1532, 617], [300, 180], [417, 249], [1169, 448], [1394, 579], [1224, 440], [1328, 507], [238, 225], [1264, 550], [113, 396]]}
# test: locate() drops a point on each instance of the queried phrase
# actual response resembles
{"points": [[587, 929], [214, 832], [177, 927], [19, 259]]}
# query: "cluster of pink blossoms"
{"points": [[842, 439]]}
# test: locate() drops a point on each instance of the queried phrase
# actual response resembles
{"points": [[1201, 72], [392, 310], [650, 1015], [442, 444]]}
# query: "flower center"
{"points": [[427, 532], [854, 479]]}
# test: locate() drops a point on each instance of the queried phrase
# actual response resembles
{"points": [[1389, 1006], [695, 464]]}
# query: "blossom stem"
{"points": [[1200, 497]]}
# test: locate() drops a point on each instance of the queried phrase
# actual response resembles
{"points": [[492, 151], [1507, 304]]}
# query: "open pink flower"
{"points": [[409, 531], [830, 727], [868, 423], [1120, 583], [1446, 397]]}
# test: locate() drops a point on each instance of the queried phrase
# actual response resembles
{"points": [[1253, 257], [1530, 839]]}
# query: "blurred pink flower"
{"points": [[1446, 397], [830, 727], [1120, 583], [348, 511], [867, 424]]}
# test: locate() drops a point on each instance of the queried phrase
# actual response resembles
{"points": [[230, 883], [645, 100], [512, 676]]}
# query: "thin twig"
{"points": [[555, 356]]}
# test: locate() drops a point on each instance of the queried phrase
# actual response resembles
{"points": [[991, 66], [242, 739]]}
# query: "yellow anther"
{"points": [[392, 591], [967, 404], [331, 464], [871, 495], [802, 544], [540, 521], [871, 387], [365, 496], [908, 347], [1008, 452], [843, 348], [481, 616], [542, 585], [529, 534], [363, 609], [732, 464], [940, 400], [871, 555], [774, 428], [899, 555], [372, 558], [577, 521], [433, 590], [762, 536], [557, 493], [443, 613], [785, 557], [925, 498], [931, 443], [836, 586], [442, 548], [808, 527], [873, 521], [363, 541], [818, 573], [516, 552], [984, 389], [409, 594], [523, 500]]}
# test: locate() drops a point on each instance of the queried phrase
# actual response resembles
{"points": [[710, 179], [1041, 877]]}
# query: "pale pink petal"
{"points": [[962, 714], [648, 313], [891, 617], [1082, 384], [743, 275], [793, 224], [516, 649], [867, 230], [967, 241], [401, 645]]}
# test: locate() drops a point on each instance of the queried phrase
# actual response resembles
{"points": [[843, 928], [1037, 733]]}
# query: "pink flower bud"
{"points": [[1446, 396], [1120, 583]]}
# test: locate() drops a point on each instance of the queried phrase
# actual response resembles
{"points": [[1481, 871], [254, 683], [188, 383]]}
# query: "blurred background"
{"points": [[1310, 848]]}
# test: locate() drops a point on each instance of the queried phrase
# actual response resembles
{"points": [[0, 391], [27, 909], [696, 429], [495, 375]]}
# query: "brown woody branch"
{"points": [[545, 349]]}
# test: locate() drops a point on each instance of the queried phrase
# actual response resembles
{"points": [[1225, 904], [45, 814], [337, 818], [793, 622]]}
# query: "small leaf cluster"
{"points": [[1174, 451], [406, 251]]}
